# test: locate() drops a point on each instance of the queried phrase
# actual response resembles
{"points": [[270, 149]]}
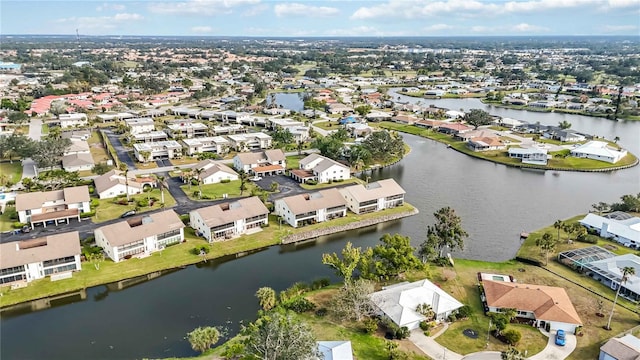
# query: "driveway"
{"points": [[35, 129], [555, 352], [121, 151], [286, 186]]}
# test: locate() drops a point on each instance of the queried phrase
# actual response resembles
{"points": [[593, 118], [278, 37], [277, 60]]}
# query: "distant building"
{"points": [[375, 196], [140, 125], [599, 150], [151, 151], [228, 220], [57, 205], [311, 208]]}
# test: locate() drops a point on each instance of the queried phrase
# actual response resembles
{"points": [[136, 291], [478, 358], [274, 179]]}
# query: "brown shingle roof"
{"points": [[34, 200], [546, 302], [40, 249], [303, 203], [375, 190], [225, 213], [123, 232]]}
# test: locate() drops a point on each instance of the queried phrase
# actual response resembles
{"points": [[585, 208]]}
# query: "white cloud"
{"points": [[624, 3], [256, 10], [522, 28], [100, 22], [110, 6], [438, 27], [620, 28], [199, 7], [297, 9], [202, 29], [528, 28]]}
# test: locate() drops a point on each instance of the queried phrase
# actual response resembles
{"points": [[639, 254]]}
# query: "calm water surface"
{"points": [[150, 319]]}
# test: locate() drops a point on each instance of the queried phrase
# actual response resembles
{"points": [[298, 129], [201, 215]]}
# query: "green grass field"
{"points": [[109, 210], [13, 171], [216, 191]]}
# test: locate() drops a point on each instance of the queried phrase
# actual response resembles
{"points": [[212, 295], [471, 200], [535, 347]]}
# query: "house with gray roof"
{"points": [[335, 350], [214, 172], [375, 196], [321, 169], [215, 144], [140, 235], [114, 183], [310, 208], [228, 220], [626, 347], [55, 255], [57, 205], [599, 150], [268, 162]]}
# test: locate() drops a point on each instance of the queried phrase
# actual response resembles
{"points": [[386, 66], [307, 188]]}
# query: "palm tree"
{"points": [[125, 168], [162, 184], [202, 338], [199, 172], [616, 139], [547, 244], [267, 298], [244, 177], [511, 354], [558, 225], [627, 272]]}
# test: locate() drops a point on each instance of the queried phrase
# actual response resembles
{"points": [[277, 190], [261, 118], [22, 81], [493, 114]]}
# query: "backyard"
{"points": [[12, 171], [217, 191], [109, 209]]}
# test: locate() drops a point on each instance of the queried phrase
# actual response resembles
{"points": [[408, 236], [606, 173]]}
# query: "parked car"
{"points": [[256, 178], [560, 339], [128, 213], [26, 229]]}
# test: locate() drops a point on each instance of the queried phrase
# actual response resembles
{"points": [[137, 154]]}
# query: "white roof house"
{"points": [[623, 231], [599, 150], [609, 271], [399, 302], [335, 350]]}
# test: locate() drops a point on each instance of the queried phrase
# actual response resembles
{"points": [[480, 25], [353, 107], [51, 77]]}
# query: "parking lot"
{"points": [[286, 185]]}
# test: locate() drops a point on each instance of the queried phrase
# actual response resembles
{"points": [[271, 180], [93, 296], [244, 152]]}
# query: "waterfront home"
{"points": [[151, 136], [564, 135], [428, 124], [214, 172], [109, 117], [375, 196], [508, 122], [311, 208], [399, 302], [609, 272], [151, 151], [359, 130], [338, 108], [72, 120], [335, 350], [140, 125], [321, 169], [24, 261], [187, 129], [454, 128], [534, 156], [250, 141], [268, 162], [215, 144], [485, 143], [404, 119], [57, 205], [140, 235], [378, 116], [617, 226], [114, 183], [626, 347], [77, 157], [548, 307], [228, 220], [599, 150], [276, 123]]}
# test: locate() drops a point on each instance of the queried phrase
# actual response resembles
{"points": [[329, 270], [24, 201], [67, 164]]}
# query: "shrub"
{"points": [[512, 336], [225, 181], [320, 283], [588, 238], [142, 203], [425, 325], [299, 305], [87, 214], [18, 225], [185, 218], [321, 312], [94, 203], [464, 312], [11, 203], [312, 182], [122, 202], [394, 331], [370, 325], [201, 249], [11, 213]]}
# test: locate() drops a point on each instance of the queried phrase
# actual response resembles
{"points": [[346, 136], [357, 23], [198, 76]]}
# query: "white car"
{"points": [[256, 178]]}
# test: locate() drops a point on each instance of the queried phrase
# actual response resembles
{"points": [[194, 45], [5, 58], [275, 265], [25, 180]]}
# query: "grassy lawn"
{"points": [[109, 209], [184, 161], [215, 191], [12, 170], [45, 129], [293, 162], [147, 165], [97, 149], [328, 125], [5, 222], [332, 184]]}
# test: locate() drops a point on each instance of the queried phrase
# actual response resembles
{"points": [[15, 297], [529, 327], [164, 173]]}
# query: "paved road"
{"points": [[35, 133], [121, 151], [35, 129]]}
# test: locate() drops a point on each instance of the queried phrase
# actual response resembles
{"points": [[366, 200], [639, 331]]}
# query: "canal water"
{"points": [[291, 101], [151, 318]]}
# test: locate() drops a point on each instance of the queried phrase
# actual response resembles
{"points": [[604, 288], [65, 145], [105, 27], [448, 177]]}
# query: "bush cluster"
{"points": [[299, 305], [201, 249], [394, 331]]}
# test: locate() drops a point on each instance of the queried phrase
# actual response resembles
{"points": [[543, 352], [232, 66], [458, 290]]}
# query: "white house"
{"points": [[268, 162], [534, 156], [187, 129], [599, 150], [609, 272], [73, 120], [214, 172], [28, 260], [375, 196], [626, 347], [56, 205], [250, 141], [547, 306], [215, 144], [140, 125], [155, 135], [228, 220], [321, 169], [625, 231], [311, 208], [77, 157], [399, 302], [157, 150], [140, 235], [335, 350], [114, 183]]}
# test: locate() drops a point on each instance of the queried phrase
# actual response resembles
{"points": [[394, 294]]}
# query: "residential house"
{"points": [[187, 129], [599, 150], [214, 172], [250, 141], [454, 128], [609, 272], [73, 120], [57, 205], [508, 122], [378, 116], [215, 144], [320, 169], [140, 125], [486, 143], [335, 350], [534, 156], [151, 136], [268, 162], [228, 220], [114, 183], [399, 302], [310, 208], [428, 123], [228, 129], [359, 129], [150, 151], [24, 261], [338, 108], [548, 307], [404, 119], [626, 347], [77, 157], [375, 196], [140, 235], [564, 135], [617, 226]]}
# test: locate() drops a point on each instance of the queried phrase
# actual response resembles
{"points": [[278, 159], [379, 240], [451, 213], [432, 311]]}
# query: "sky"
{"points": [[303, 18]]}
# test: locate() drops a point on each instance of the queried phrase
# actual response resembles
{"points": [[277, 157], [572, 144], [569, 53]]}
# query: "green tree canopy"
{"points": [[477, 117], [446, 232], [202, 338], [394, 256]]}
